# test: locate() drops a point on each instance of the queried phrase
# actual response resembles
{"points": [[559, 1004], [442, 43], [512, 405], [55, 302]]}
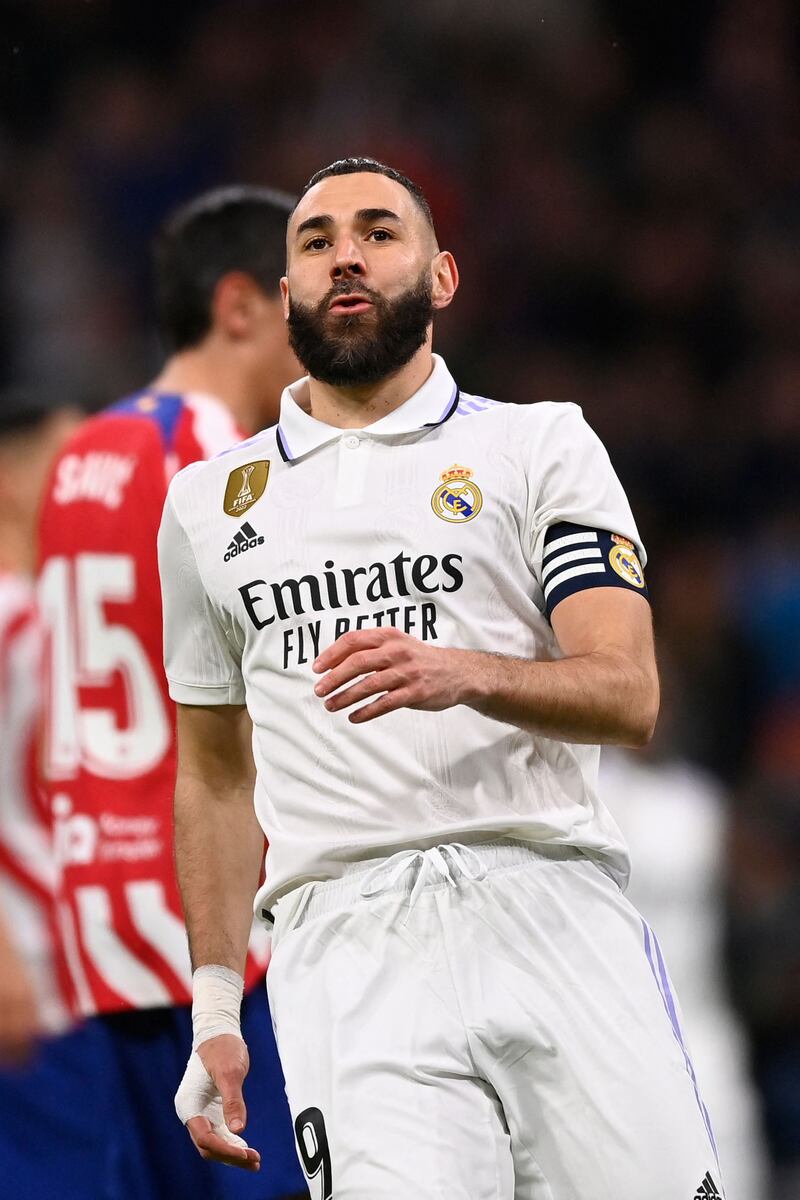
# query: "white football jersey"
{"points": [[457, 519]]}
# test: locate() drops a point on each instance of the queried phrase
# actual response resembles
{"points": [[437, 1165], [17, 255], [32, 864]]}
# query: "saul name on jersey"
{"points": [[101, 477]]}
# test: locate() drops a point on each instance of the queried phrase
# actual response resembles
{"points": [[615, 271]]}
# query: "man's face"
{"points": [[358, 295]]}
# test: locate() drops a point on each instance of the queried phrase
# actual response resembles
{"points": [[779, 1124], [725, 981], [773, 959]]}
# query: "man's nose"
{"points": [[348, 261]]}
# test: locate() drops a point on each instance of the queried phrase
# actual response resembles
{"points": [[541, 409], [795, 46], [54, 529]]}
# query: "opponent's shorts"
{"points": [[56, 1131], [484, 1023], [150, 1050], [93, 1118]]}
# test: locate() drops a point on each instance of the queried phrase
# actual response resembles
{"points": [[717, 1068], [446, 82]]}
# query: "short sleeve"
{"points": [[201, 664], [574, 493]]}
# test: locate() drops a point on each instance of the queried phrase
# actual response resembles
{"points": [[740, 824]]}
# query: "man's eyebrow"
{"points": [[316, 222], [364, 216]]}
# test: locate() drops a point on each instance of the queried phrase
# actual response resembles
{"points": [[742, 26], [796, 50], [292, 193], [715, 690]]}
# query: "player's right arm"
{"points": [[218, 844], [218, 853]]}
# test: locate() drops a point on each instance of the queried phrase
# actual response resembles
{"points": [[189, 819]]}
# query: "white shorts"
{"points": [[484, 1023]]}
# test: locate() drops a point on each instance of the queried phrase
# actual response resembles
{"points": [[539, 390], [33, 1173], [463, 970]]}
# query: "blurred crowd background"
{"points": [[620, 184]]}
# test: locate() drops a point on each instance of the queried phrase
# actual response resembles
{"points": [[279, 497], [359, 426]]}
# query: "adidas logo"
{"points": [[245, 538], [707, 1190]]}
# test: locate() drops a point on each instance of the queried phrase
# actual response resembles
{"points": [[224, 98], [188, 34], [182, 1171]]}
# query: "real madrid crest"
{"points": [[457, 498], [245, 485], [624, 560]]}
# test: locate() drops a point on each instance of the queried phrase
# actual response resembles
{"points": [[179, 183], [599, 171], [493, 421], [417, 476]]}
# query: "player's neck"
{"points": [[205, 371], [353, 408], [17, 548]]}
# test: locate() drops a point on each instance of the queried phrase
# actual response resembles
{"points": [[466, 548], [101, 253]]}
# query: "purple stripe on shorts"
{"points": [[659, 969]]}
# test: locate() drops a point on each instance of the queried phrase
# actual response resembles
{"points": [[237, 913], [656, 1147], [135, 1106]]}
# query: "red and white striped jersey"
{"points": [[110, 725], [28, 870]]}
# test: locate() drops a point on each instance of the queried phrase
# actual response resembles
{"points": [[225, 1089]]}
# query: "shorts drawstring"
{"points": [[407, 872], [449, 862]]}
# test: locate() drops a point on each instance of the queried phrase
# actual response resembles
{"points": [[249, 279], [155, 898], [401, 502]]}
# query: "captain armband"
{"points": [[577, 557]]}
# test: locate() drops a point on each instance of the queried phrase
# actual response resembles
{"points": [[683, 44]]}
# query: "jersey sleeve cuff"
{"points": [[577, 557], [192, 693]]}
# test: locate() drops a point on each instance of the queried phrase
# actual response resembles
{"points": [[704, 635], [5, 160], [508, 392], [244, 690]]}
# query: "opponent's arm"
{"points": [[19, 1021], [604, 689], [219, 848]]}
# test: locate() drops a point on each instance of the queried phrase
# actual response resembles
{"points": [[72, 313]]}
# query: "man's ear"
{"points": [[233, 305], [444, 280], [285, 297]]}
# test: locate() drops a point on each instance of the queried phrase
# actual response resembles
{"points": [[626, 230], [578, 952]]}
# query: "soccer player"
{"points": [[446, 616], [110, 753], [35, 996]]}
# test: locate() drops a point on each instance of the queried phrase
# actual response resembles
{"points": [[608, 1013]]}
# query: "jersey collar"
{"points": [[299, 433]]}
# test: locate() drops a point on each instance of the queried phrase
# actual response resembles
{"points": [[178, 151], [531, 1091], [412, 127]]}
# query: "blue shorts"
{"points": [[93, 1118], [55, 1118]]}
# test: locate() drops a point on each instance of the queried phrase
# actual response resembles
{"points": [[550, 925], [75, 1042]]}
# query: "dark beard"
{"points": [[368, 346]]}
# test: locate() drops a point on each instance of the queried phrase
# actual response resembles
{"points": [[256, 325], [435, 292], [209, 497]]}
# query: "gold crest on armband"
{"points": [[626, 563]]}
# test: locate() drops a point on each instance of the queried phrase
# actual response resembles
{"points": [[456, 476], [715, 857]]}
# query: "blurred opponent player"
{"points": [[446, 617], [40, 1061], [110, 753]]}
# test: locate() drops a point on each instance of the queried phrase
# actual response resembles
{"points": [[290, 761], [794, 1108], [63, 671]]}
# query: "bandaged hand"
{"points": [[209, 1099]]}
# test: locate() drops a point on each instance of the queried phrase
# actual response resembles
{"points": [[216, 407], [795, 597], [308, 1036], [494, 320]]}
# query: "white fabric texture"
{"points": [[496, 1038], [216, 1003], [446, 863]]}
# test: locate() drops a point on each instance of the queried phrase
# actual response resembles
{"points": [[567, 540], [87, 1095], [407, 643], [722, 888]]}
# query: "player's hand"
{"points": [[209, 1101], [401, 670], [19, 1022]]}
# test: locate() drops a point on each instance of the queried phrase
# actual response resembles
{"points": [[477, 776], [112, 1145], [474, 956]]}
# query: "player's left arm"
{"points": [[604, 689]]}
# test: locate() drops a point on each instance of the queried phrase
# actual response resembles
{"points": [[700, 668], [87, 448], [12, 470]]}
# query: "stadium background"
{"points": [[620, 184]]}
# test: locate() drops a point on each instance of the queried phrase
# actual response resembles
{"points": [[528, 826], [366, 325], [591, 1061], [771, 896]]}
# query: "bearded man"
{"points": [[443, 616]]}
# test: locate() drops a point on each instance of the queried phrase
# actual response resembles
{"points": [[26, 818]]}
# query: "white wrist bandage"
{"points": [[216, 1003]]}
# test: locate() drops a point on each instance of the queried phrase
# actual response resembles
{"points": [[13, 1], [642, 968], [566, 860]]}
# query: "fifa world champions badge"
{"points": [[244, 487], [457, 498]]}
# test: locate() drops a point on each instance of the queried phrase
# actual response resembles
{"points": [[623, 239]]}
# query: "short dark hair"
{"points": [[228, 229], [24, 408], [353, 166]]}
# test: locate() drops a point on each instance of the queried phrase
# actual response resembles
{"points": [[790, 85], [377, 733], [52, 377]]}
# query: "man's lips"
{"points": [[349, 304]]}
